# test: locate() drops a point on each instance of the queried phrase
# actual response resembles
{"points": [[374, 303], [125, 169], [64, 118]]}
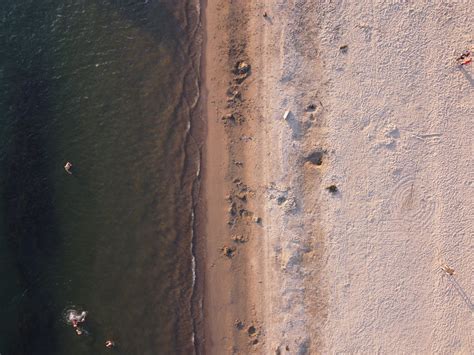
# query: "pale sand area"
{"points": [[400, 117], [357, 271]]}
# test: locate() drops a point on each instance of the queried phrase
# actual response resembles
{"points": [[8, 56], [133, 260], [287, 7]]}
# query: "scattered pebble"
{"points": [[244, 213], [233, 209], [241, 70], [229, 117], [311, 107], [316, 157], [252, 331], [245, 138], [239, 324], [228, 251], [239, 239], [242, 196], [242, 67]]}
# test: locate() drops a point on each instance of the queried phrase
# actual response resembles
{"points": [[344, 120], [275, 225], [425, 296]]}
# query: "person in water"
{"points": [[68, 168], [75, 318], [109, 344]]}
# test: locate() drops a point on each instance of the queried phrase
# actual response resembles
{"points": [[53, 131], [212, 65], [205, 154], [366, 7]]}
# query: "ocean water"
{"points": [[110, 86]]}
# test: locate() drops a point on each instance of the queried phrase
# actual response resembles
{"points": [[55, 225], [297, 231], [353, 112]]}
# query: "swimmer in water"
{"points": [[109, 344], [68, 168], [82, 317], [78, 317]]}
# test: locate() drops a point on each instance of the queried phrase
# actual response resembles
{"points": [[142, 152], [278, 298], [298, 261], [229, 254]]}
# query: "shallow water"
{"points": [[110, 86]]}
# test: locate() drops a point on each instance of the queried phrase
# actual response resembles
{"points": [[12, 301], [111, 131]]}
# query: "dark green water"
{"points": [[110, 86]]}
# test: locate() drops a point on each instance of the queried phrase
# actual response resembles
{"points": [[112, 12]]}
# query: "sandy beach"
{"points": [[337, 178]]}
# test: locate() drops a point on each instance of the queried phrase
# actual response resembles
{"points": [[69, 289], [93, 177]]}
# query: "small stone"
{"points": [[234, 97], [239, 239], [344, 48], [286, 115], [281, 200], [239, 324], [257, 220], [242, 67], [242, 196], [316, 157], [252, 331], [239, 79], [332, 189], [228, 251], [229, 117], [244, 213], [233, 209], [233, 90]]}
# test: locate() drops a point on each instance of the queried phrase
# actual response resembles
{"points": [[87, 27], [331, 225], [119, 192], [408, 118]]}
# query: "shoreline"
{"points": [[199, 204], [254, 189], [222, 289]]}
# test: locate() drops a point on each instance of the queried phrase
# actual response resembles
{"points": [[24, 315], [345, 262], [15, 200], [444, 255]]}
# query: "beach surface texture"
{"points": [[338, 174]]}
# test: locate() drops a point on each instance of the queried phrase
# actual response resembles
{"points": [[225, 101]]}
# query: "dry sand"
{"points": [[378, 108]]}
